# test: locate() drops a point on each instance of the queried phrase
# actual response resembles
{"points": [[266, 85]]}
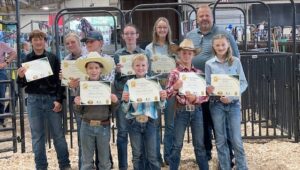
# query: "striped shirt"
{"points": [[135, 109], [173, 77], [204, 41]]}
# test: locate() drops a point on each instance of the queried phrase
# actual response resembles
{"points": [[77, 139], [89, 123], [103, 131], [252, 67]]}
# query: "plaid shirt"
{"points": [[173, 77]]}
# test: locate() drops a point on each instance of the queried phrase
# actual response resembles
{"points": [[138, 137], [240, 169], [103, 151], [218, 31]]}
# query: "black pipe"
{"points": [[20, 91], [250, 2]]}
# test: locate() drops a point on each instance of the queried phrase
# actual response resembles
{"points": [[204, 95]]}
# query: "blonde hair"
{"points": [[74, 35], [139, 57], [155, 36], [228, 57]]}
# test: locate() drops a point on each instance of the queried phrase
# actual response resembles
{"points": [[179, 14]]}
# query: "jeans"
{"points": [[169, 128], [89, 136], [143, 139], [122, 139], [2, 92], [158, 134], [40, 110], [220, 112], [182, 120]]}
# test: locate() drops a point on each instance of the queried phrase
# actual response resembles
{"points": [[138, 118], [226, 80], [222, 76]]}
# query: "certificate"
{"points": [[162, 64], [193, 83], [70, 71], [95, 93], [37, 69], [143, 90], [126, 61], [225, 85]]}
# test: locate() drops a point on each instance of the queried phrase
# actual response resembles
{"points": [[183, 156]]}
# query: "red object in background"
{"points": [[51, 20]]}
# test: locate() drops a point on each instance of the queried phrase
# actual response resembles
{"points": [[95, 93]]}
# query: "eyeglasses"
{"points": [[129, 34]]}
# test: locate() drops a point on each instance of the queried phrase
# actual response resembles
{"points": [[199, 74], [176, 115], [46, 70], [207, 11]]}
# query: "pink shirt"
{"points": [[4, 48]]}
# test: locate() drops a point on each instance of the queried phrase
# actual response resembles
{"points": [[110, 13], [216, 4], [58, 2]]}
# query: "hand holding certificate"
{"points": [[95, 93], [143, 90], [193, 83], [162, 64], [126, 61], [37, 69], [225, 85], [71, 71]]}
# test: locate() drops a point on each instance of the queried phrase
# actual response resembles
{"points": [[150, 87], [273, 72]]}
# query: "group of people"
{"points": [[206, 50]]}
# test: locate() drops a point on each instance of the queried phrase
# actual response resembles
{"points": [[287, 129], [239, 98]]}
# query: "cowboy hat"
{"points": [[186, 44], [106, 62]]}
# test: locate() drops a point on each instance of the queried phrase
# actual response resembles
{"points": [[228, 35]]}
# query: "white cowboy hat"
{"points": [[186, 44], [107, 63]]}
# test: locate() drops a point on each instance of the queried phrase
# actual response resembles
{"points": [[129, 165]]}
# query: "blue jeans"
{"points": [[2, 92], [122, 139], [220, 112], [182, 120], [169, 128], [143, 139], [40, 110], [89, 136]]}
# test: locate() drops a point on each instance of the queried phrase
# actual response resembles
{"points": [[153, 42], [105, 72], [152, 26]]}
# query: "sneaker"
{"points": [[67, 168]]}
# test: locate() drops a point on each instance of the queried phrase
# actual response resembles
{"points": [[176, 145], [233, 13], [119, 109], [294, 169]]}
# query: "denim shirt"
{"points": [[148, 108], [204, 41], [214, 66], [120, 81]]}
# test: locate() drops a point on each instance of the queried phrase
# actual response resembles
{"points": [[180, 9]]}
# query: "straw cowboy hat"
{"points": [[107, 63], [186, 44]]}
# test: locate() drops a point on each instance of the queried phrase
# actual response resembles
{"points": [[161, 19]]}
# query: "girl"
{"points": [[160, 45], [142, 133], [226, 107]]}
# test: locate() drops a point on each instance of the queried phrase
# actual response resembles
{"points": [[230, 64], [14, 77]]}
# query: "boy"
{"points": [[142, 120], [187, 108], [90, 132]]}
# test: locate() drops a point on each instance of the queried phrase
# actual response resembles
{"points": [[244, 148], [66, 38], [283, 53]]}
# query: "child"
{"points": [[187, 108], [226, 107], [95, 126], [142, 133]]}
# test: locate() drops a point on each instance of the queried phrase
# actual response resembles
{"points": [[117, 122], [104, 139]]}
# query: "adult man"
{"points": [[4, 62], [202, 38], [44, 103]]}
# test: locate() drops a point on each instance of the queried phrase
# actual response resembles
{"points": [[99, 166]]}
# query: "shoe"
{"points": [[163, 164]]}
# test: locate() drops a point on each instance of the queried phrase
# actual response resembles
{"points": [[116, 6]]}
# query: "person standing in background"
{"points": [[4, 62]]}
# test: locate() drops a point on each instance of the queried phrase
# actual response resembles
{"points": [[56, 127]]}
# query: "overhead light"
{"points": [[46, 8]]}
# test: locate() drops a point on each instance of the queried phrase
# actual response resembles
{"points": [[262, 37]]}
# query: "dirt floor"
{"points": [[261, 155]]}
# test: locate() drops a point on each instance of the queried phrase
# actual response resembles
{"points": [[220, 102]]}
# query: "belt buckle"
{"points": [[95, 122], [141, 118], [190, 108]]}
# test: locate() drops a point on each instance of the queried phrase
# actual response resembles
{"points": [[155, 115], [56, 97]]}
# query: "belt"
{"points": [[141, 118], [96, 122], [188, 108]]}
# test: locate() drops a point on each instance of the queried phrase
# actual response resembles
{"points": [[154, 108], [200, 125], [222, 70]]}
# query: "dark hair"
{"points": [[100, 64], [37, 34], [131, 25]]}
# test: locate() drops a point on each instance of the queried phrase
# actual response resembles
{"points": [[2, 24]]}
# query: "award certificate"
{"points": [[70, 71], [225, 85], [193, 83], [37, 69], [95, 93], [143, 90], [126, 61], [162, 64]]}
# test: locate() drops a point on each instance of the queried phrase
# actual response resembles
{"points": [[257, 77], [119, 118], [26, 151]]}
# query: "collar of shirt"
{"points": [[182, 68], [136, 50], [216, 59], [209, 32]]}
